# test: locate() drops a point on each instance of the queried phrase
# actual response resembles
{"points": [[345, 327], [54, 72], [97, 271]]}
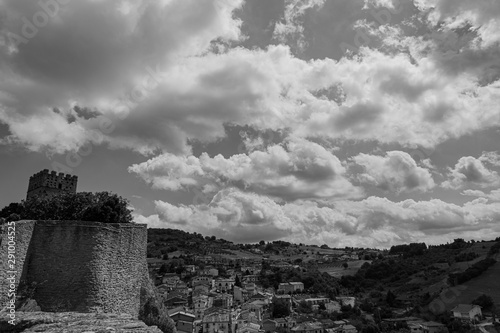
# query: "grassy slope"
{"points": [[487, 283], [478, 249], [352, 269]]}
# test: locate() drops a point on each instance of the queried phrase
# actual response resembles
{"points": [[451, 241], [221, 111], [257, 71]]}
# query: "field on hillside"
{"points": [[306, 253], [487, 283], [479, 248], [339, 271], [314, 250], [238, 254]]}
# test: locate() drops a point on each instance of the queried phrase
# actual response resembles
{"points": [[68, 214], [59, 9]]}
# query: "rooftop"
{"points": [[464, 308], [432, 324], [182, 313], [308, 326]]}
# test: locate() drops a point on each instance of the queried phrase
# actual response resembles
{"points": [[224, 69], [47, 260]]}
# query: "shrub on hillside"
{"points": [[466, 257], [409, 250], [494, 249], [484, 301], [84, 206], [475, 270]]}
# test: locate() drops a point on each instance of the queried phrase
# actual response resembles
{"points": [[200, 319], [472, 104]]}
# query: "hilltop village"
{"points": [[211, 285]]}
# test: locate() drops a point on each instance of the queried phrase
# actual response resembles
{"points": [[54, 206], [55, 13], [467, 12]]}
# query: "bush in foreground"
{"points": [[152, 310]]}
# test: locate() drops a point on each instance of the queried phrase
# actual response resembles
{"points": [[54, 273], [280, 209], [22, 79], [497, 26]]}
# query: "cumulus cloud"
{"points": [[397, 99], [397, 172], [291, 28], [296, 169], [38, 131], [374, 222], [492, 158], [176, 89], [493, 195], [75, 56], [482, 15], [392, 4], [272, 89], [470, 171]]}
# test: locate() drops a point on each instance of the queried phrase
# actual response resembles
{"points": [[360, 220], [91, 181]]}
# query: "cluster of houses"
{"points": [[209, 303], [220, 312], [467, 313]]}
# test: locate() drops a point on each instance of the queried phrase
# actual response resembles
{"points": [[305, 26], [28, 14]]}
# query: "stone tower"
{"points": [[46, 183]]}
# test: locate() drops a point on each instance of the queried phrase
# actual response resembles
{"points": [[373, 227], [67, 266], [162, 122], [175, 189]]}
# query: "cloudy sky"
{"points": [[345, 122]]}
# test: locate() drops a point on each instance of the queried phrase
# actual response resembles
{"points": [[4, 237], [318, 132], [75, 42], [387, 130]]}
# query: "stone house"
{"points": [[290, 287], [309, 327], [224, 284], [184, 321], [250, 278], [206, 280], [200, 304], [217, 320], [467, 312], [248, 328]]}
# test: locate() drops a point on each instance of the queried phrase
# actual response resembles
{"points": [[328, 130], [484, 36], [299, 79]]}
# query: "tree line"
{"points": [[83, 206]]}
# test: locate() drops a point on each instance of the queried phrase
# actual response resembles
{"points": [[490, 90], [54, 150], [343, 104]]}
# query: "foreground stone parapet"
{"points": [[73, 322]]}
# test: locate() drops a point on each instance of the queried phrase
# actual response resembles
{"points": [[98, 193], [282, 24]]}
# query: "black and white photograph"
{"points": [[250, 166]]}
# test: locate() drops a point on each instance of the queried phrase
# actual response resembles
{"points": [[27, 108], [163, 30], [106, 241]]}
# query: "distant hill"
{"points": [[177, 242], [174, 243], [422, 277]]}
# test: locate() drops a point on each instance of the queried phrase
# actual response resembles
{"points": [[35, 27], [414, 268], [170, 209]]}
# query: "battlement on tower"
{"points": [[45, 183]]}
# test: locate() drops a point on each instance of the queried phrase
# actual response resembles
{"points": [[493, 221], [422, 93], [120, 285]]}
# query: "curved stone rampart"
{"points": [[78, 266]]}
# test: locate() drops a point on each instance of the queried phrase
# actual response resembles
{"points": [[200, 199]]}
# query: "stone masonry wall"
{"points": [[24, 232], [82, 266]]}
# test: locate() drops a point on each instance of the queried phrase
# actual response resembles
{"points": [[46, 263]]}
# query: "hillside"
{"points": [[176, 243], [423, 278], [487, 283], [337, 270], [415, 273]]}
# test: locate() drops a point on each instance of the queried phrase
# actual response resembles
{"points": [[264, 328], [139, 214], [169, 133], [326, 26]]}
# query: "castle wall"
{"points": [[47, 183], [42, 192], [24, 232], [84, 266]]}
